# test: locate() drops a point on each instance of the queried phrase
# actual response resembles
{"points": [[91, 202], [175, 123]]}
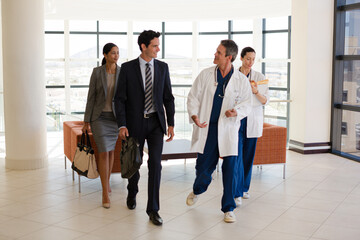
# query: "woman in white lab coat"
{"points": [[252, 126]]}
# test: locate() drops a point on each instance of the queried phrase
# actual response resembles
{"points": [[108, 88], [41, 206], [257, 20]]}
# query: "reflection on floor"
{"points": [[318, 200]]}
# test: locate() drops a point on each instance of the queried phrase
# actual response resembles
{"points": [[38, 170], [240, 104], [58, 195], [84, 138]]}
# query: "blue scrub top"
{"points": [[219, 95]]}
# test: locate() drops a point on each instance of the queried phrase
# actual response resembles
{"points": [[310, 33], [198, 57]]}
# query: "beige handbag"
{"points": [[84, 162]]}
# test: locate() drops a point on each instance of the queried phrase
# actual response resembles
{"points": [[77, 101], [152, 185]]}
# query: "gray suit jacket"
{"points": [[97, 93]]}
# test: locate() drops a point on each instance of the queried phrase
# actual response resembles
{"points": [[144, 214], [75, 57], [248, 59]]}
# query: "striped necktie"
{"points": [[148, 88]]}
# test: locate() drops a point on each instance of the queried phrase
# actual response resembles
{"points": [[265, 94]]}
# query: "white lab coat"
{"points": [[200, 100], [255, 120]]}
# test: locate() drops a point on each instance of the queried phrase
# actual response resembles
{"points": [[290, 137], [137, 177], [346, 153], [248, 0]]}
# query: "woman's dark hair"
{"points": [[106, 49], [146, 36], [246, 50]]}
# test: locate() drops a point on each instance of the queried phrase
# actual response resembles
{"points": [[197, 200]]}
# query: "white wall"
{"points": [[311, 70], [165, 10], [1, 80]]}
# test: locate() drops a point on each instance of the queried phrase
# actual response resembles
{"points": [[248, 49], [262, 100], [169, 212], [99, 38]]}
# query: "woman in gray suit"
{"points": [[100, 115]]}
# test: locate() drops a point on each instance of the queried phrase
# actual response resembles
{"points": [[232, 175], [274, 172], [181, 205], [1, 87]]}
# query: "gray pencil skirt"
{"points": [[105, 132]]}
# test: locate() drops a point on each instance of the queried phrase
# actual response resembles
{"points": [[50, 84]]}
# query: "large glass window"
{"points": [[277, 72], [54, 46], [276, 45], [178, 46], [55, 73], [80, 72], [118, 40], [208, 45], [350, 137], [352, 32], [82, 26], [83, 46], [74, 48], [345, 130], [276, 66]]}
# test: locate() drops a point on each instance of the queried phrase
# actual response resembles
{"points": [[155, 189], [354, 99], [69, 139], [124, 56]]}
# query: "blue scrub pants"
{"points": [[247, 147], [206, 164]]}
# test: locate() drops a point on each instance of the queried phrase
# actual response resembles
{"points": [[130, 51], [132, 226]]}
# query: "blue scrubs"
{"points": [[206, 162], [247, 147]]}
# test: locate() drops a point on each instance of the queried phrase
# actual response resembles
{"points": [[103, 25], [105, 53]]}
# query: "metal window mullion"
{"points": [[263, 37], [163, 40], [230, 28], [349, 7], [276, 31], [213, 33], [242, 32], [177, 33], [263, 69], [338, 78]]}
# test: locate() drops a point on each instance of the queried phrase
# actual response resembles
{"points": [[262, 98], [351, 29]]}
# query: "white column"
{"points": [[311, 75], [1, 82], [67, 67], [257, 42], [130, 33], [24, 86], [195, 50]]}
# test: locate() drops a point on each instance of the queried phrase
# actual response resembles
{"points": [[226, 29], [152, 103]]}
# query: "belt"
{"points": [[149, 115]]}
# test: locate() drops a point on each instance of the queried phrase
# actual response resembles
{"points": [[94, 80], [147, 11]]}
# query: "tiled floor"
{"points": [[320, 199]]}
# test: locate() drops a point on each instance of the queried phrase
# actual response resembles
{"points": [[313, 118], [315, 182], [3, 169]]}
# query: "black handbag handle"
{"points": [[81, 144], [88, 143], [89, 149]]}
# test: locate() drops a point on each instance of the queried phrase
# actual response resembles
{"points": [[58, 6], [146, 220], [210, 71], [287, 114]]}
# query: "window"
{"points": [[346, 84], [345, 95], [74, 48], [344, 128], [276, 66]]}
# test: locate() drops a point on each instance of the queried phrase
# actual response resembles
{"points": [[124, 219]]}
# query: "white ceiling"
{"points": [[165, 10]]}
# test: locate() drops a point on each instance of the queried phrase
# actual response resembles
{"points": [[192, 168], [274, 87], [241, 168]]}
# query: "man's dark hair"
{"points": [[231, 48], [146, 37]]}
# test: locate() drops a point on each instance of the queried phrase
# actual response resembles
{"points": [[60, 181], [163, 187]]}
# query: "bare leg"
{"points": [[103, 166], [111, 163]]}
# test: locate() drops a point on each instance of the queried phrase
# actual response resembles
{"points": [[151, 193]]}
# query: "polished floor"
{"points": [[320, 199]]}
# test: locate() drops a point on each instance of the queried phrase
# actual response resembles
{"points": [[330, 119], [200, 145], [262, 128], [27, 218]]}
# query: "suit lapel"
{"points": [[116, 77], [156, 79], [138, 74], [103, 79]]}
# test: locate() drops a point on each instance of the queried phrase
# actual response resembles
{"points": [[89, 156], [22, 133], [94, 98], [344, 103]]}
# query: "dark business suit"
{"points": [[129, 108]]}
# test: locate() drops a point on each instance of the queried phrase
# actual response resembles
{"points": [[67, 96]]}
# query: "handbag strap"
{"points": [[81, 144], [88, 143]]}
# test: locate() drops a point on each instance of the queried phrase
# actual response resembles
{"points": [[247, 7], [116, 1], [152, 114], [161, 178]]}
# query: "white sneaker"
{"points": [[238, 201], [191, 199], [229, 217], [246, 195]]}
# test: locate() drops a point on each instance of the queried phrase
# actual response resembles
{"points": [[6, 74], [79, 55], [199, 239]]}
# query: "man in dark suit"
{"points": [[143, 91]]}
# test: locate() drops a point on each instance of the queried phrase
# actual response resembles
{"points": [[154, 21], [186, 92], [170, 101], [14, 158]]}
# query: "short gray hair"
{"points": [[231, 48]]}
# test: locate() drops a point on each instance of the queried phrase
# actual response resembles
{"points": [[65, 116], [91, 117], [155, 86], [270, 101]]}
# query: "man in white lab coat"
{"points": [[219, 98]]}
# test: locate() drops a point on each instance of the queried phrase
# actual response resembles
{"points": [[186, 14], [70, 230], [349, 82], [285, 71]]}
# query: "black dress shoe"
{"points": [[155, 218], [131, 203]]}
